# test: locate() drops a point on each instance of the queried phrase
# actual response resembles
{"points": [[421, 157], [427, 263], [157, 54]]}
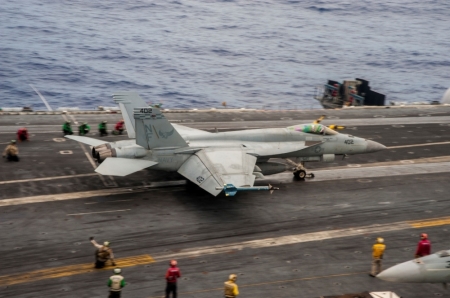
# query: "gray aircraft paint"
{"points": [[434, 268], [213, 159]]}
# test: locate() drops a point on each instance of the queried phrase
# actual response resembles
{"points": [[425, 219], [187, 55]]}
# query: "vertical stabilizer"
{"points": [[153, 130], [127, 102]]}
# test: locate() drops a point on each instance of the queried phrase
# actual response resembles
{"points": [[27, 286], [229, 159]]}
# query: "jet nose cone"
{"points": [[405, 272], [374, 146]]}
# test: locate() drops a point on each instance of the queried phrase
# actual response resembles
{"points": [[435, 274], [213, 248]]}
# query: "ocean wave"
{"points": [[199, 54]]}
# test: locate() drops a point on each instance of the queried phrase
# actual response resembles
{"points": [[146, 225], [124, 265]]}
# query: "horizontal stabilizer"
{"points": [[87, 140], [115, 166]]}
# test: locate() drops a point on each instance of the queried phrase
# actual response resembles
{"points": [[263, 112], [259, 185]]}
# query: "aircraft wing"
{"points": [[212, 168], [116, 166], [86, 140]]}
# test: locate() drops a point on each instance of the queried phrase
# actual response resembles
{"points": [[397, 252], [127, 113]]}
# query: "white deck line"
{"points": [[108, 211], [283, 240]]}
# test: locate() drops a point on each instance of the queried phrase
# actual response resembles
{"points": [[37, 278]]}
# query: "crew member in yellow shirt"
{"points": [[377, 255], [231, 288]]}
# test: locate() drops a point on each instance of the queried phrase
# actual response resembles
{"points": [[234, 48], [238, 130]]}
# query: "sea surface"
{"points": [[199, 54]]}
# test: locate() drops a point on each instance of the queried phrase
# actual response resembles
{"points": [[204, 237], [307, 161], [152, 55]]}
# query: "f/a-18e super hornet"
{"points": [[228, 161], [434, 268]]}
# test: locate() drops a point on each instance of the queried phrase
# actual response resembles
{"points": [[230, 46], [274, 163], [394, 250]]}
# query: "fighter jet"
{"points": [[221, 161], [434, 268]]}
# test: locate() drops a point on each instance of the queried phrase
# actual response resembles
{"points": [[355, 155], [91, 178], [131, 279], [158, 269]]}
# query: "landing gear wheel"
{"points": [[300, 174]]}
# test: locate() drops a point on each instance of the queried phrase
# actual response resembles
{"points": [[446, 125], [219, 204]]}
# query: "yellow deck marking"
{"points": [[270, 283], [70, 270], [430, 222], [225, 248]]}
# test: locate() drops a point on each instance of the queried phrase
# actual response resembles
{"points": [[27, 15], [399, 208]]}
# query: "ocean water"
{"points": [[198, 54]]}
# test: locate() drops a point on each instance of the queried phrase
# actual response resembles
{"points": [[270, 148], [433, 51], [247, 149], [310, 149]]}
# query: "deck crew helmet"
{"points": [[380, 240], [117, 271], [232, 277]]}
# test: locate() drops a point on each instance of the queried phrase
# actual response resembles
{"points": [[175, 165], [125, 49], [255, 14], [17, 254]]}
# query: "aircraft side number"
{"points": [[200, 179], [348, 142], [146, 111]]}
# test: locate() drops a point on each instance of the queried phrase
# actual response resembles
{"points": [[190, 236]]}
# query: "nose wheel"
{"points": [[300, 170], [301, 174]]}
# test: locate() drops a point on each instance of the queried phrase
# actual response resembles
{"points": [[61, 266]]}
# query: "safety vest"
{"points": [[103, 254], [172, 274], [230, 289], [11, 150], [378, 250], [116, 281]]}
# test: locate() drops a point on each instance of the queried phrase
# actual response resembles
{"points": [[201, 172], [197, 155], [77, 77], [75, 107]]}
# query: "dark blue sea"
{"points": [[198, 54]]}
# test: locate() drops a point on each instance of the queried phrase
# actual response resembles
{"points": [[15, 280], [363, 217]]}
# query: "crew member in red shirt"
{"points": [[173, 273], [424, 246], [22, 134], [119, 127]]}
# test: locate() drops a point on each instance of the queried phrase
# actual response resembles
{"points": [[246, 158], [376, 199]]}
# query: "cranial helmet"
{"points": [[380, 240], [173, 263], [106, 243], [105, 121], [13, 141], [117, 270], [424, 235], [232, 277]]}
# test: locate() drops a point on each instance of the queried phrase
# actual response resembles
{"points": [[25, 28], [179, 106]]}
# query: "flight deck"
{"points": [[310, 238]]}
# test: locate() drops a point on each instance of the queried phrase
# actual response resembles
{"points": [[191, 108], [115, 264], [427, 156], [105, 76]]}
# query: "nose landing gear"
{"points": [[300, 170]]}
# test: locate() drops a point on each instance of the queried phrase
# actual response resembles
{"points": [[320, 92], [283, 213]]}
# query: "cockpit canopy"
{"points": [[317, 129]]}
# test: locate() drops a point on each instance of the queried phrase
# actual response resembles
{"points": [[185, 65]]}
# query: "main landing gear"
{"points": [[300, 170]]}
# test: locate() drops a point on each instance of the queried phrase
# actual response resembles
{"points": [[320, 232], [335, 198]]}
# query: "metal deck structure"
{"points": [[311, 238]]}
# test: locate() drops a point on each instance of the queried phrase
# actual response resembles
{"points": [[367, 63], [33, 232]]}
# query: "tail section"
{"points": [[127, 102], [153, 130]]}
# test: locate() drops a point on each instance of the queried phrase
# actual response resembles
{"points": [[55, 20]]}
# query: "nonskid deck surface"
{"points": [[311, 238]]}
